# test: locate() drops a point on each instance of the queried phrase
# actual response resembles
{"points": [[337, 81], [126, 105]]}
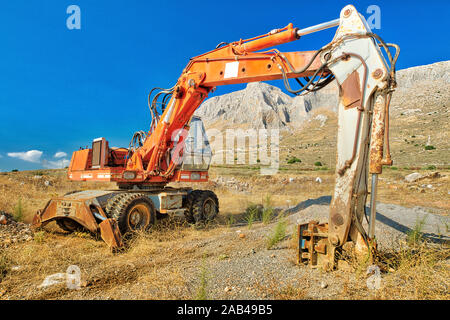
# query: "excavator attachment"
{"points": [[81, 210], [114, 213], [110, 233], [365, 83]]}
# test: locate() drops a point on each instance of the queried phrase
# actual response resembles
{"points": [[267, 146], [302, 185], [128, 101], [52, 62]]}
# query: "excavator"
{"points": [[357, 59]]}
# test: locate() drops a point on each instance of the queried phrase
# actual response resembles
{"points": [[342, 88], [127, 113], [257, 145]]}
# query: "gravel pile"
{"points": [[12, 231]]}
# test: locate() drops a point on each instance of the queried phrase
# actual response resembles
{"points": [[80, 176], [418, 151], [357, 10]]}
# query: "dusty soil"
{"points": [[230, 259], [234, 262]]}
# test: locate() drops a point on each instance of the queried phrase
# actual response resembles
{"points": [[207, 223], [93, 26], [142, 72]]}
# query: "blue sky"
{"points": [[61, 88]]}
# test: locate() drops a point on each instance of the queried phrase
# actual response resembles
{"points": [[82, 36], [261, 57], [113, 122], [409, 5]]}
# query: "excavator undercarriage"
{"points": [[166, 153]]}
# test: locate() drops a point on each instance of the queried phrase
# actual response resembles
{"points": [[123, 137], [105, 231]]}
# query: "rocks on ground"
{"points": [[12, 231], [232, 183]]}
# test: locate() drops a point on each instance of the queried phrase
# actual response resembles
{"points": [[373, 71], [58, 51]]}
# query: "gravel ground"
{"points": [[238, 265], [241, 267], [13, 231], [393, 222]]}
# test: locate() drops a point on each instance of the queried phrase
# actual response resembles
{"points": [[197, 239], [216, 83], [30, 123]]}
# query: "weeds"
{"points": [[230, 220], [39, 236], [18, 210], [268, 212], [421, 269], [415, 236], [252, 214], [278, 234], [201, 290]]}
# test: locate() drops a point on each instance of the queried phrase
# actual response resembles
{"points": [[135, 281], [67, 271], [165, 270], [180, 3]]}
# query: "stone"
{"points": [[413, 177]]}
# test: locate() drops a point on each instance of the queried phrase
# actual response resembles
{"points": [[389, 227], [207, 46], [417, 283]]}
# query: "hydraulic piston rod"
{"points": [[318, 27], [373, 207]]}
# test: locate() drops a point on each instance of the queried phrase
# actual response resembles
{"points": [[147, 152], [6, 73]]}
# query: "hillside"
{"points": [[308, 124]]}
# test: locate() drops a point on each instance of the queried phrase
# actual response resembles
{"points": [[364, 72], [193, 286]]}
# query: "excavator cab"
{"points": [[197, 152]]}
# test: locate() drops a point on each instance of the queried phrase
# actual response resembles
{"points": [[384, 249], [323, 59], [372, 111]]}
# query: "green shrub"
{"points": [[230, 220], [278, 233], [39, 236], [431, 167], [294, 160], [267, 212], [18, 210], [252, 213], [201, 290], [415, 235], [318, 164], [430, 148]]}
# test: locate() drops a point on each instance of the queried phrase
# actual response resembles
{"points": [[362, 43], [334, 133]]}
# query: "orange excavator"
{"points": [[169, 152]]}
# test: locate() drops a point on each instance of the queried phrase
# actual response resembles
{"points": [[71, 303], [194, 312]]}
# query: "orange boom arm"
{"points": [[231, 64]]}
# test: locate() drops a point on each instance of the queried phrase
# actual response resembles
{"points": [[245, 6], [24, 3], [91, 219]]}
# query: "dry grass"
{"points": [[27, 190], [273, 289], [418, 272], [155, 263]]}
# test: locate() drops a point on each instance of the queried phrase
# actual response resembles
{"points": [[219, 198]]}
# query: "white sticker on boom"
{"points": [[231, 69]]}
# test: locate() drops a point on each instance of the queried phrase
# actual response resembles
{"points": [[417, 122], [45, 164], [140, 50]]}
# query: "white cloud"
{"points": [[30, 156], [60, 154], [58, 164]]}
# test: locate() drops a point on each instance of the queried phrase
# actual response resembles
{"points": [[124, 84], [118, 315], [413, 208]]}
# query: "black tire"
{"points": [[68, 225], [205, 206], [132, 211], [188, 205]]}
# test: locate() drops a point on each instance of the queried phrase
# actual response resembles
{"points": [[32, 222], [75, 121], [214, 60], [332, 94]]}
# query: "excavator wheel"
{"points": [[68, 225], [205, 206], [189, 202], [132, 211]]}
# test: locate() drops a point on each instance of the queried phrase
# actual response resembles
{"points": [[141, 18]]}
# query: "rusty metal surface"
{"points": [[377, 135], [64, 209], [350, 91], [313, 246], [110, 233]]}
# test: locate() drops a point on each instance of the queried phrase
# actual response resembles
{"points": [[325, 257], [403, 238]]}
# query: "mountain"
{"points": [[419, 117], [261, 105]]}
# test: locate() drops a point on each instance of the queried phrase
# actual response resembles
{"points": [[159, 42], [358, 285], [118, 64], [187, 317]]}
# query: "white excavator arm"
{"points": [[365, 82]]}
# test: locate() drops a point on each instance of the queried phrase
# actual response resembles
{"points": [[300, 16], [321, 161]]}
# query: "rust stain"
{"points": [[351, 91]]}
